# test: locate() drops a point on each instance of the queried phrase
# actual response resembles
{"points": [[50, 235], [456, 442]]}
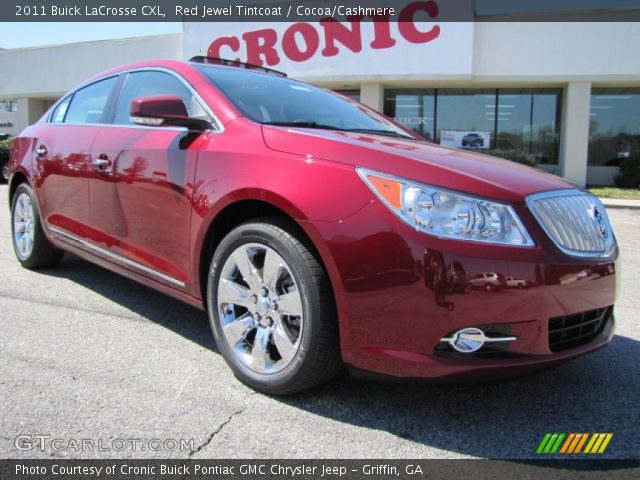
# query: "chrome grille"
{"points": [[576, 221]]}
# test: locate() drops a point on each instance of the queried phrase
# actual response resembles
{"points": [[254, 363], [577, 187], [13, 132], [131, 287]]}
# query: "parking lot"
{"points": [[88, 354]]}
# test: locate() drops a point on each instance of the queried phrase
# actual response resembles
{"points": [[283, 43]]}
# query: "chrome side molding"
{"points": [[104, 253]]}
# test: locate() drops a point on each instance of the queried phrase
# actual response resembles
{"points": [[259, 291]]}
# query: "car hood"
{"points": [[421, 161]]}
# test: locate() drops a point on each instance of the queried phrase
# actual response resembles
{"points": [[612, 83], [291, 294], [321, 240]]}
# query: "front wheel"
{"points": [[30, 242], [271, 309]]}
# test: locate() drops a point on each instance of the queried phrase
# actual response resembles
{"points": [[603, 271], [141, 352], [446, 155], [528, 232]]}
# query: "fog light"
{"points": [[467, 340], [470, 340]]}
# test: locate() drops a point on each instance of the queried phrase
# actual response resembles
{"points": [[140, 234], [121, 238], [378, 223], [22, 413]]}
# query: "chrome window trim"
{"points": [[610, 238], [118, 258], [217, 126], [113, 125]]}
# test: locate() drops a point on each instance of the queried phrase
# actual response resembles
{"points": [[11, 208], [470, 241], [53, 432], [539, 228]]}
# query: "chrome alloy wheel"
{"points": [[260, 308], [23, 226]]}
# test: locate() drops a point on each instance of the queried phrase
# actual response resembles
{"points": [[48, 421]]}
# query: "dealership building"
{"points": [[563, 95]]}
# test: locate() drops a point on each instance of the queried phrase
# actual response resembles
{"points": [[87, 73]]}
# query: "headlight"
{"points": [[447, 214]]}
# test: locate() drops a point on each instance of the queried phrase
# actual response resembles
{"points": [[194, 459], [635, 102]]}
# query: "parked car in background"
{"points": [[269, 203], [516, 282], [5, 146], [489, 281], [473, 140]]}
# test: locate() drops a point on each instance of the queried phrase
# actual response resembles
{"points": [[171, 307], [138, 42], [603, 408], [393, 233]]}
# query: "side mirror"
{"points": [[164, 110]]}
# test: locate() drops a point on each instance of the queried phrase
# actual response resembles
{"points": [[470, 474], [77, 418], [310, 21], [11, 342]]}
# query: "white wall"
{"points": [[557, 51], [51, 71]]}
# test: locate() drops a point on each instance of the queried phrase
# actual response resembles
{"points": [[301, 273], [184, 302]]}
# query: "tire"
{"points": [[488, 287], [4, 170], [276, 327], [30, 243]]}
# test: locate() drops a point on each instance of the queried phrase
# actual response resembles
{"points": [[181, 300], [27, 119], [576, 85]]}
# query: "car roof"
{"points": [[186, 69]]}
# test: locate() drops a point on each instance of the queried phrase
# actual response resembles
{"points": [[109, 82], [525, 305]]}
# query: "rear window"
{"points": [[60, 111], [88, 103]]}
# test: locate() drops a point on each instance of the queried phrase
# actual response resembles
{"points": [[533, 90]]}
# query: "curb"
{"points": [[620, 203]]}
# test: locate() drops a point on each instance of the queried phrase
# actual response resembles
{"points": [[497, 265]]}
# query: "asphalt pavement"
{"points": [[88, 355]]}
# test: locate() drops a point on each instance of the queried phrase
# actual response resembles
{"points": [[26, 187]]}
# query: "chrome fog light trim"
{"points": [[470, 340]]}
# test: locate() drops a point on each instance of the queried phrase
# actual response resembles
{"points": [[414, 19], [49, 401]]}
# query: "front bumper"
{"points": [[400, 292]]}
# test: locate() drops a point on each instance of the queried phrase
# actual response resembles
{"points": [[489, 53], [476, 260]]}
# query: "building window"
{"points": [[516, 123], [466, 110], [414, 109], [8, 106], [528, 123], [614, 127]]}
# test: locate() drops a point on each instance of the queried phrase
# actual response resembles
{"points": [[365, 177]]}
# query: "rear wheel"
{"points": [[30, 243], [271, 310]]}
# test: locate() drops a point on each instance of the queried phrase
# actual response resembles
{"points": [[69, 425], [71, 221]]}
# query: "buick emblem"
{"points": [[598, 219]]}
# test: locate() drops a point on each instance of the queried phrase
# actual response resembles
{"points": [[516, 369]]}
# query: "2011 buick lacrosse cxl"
{"points": [[316, 232]]}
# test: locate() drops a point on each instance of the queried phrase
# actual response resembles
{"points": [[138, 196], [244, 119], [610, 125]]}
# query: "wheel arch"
{"points": [[247, 209], [16, 179]]}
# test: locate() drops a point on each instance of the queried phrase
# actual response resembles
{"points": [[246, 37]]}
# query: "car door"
{"points": [[141, 194], [63, 160]]}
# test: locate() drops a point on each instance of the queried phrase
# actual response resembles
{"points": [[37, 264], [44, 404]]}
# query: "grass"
{"points": [[612, 192]]}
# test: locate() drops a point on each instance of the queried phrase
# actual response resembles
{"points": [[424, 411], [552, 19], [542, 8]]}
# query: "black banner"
{"points": [[318, 469], [315, 10]]}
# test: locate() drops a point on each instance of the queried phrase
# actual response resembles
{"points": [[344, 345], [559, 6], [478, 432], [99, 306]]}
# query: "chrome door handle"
{"points": [[101, 162]]}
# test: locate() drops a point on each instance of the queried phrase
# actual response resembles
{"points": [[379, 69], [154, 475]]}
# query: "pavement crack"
{"points": [[213, 434]]}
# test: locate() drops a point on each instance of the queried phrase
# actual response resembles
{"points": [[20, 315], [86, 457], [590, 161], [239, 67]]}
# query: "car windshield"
{"points": [[272, 100]]}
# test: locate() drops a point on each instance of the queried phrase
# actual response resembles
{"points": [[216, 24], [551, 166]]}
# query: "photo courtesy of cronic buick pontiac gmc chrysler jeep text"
{"points": [[317, 233]]}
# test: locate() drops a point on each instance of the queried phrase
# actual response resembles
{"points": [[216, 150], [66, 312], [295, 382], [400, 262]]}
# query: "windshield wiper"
{"points": [[389, 133], [304, 124], [321, 126]]}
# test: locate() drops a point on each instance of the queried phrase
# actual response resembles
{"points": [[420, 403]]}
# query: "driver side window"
{"points": [[151, 83]]}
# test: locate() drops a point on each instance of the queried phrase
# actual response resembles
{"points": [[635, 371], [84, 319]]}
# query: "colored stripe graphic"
{"points": [[604, 445], [567, 444], [598, 443], [583, 440], [573, 443], [556, 446], [551, 443], [543, 443]]}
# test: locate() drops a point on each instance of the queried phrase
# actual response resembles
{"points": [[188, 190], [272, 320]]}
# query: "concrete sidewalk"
{"points": [[620, 203]]}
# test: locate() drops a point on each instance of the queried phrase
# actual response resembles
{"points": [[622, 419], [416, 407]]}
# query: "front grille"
{"points": [[577, 222], [574, 330]]}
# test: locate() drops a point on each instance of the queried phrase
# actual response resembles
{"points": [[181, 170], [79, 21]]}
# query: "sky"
{"points": [[25, 34]]}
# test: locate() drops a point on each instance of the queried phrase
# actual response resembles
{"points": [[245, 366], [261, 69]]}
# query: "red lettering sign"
{"points": [[301, 41]]}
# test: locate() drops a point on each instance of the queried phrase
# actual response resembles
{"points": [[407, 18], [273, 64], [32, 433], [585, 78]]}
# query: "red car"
{"points": [[316, 232]]}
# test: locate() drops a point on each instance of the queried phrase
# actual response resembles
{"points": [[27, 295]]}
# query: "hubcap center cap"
{"points": [[262, 307]]}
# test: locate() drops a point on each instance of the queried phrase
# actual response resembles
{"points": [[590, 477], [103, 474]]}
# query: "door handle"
{"points": [[41, 151], [102, 163]]}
